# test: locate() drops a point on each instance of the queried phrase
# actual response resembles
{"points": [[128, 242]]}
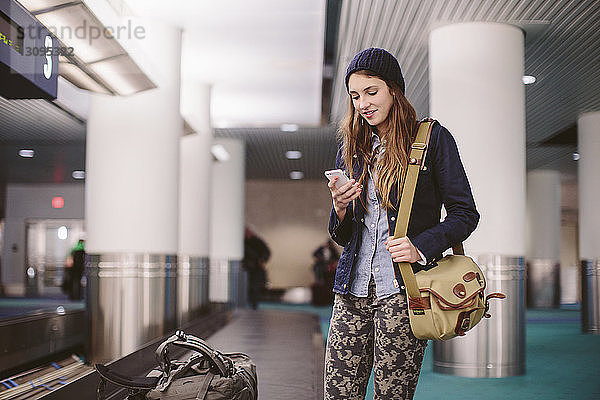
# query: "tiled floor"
{"points": [[286, 347]]}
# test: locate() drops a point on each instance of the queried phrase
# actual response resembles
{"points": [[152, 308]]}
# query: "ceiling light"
{"points": [[36, 5], [219, 152], [78, 174], [26, 153], [92, 48], [122, 74], [296, 175], [576, 156], [74, 74], [528, 79], [78, 28], [289, 127], [293, 154]]}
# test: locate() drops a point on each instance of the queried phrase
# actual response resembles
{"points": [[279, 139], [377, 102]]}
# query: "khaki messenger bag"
{"points": [[447, 300]]}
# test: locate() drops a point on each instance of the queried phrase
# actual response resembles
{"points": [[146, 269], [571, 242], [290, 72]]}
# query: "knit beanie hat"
{"points": [[379, 61]]}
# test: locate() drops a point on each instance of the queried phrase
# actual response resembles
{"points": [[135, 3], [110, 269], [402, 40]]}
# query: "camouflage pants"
{"points": [[369, 333]]}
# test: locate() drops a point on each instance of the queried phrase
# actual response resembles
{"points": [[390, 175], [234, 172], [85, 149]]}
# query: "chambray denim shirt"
{"points": [[373, 258]]}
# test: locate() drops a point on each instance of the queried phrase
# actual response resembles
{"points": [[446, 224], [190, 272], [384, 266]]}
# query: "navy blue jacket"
{"points": [[442, 181]]}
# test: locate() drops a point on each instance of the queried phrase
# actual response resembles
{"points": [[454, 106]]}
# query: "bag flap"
{"points": [[455, 281]]}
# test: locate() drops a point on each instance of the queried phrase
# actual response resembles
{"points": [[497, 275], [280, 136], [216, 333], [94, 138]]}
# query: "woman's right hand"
{"points": [[343, 196]]}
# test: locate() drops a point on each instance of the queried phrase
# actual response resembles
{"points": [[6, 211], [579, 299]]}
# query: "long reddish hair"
{"points": [[355, 134]]}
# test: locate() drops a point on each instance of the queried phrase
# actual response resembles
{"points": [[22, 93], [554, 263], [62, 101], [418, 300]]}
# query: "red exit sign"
{"points": [[58, 202]]}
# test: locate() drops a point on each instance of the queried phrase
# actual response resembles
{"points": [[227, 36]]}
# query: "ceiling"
{"points": [[564, 55], [266, 148], [262, 58], [562, 51]]}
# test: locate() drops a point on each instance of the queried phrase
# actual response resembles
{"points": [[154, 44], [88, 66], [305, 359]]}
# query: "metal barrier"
{"points": [[543, 283], [131, 299], [590, 296], [192, 287], [496, 347]]}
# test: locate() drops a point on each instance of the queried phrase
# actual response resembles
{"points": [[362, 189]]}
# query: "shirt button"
{"points": [[401, 287], [393, 218], [376, 269], [362, 220], [372, 225]]}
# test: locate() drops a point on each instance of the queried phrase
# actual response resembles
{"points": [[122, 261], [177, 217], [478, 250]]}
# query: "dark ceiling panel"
{"points": [[266, 148], [565, 57]]}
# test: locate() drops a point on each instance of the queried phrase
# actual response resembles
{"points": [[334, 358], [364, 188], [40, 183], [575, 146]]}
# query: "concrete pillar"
{"points": [[132, 184], [476, 91], [194, 202], [227, 225], [543, 238], [588, 134]]}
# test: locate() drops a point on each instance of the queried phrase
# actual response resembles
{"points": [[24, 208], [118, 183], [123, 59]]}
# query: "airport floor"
{"points": [[561, 362]]}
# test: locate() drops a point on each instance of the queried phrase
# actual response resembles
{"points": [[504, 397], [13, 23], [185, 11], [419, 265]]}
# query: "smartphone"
{"points": [[342, 178]]}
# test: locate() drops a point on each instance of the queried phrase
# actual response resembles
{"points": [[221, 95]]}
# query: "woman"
{"points": [[369, 326]]}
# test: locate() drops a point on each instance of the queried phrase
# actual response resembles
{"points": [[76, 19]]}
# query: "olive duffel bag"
{"points": [[207, 375]]}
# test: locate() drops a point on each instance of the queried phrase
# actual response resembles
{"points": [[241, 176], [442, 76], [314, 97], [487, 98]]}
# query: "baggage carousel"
{"points": [[287, 348]]}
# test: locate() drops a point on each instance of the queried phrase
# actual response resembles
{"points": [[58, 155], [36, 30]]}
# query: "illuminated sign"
{"points": [[11, 34], [58, 202], [28, 56]]}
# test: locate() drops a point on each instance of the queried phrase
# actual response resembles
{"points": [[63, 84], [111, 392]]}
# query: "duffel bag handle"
{"points": [[190, 342]]}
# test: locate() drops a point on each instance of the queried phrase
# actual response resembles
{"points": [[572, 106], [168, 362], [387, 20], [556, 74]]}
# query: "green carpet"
{"points": [[561, 362]]}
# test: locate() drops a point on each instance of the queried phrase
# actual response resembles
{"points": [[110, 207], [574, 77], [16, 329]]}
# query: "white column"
{"points": [[588, 134], [476, 91], [227, 222], [543, 238], [194, 202], [132, 184]]}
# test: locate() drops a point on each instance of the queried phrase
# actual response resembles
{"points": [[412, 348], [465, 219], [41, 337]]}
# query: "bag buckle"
{"points": [[419, 146], [465, 323]]}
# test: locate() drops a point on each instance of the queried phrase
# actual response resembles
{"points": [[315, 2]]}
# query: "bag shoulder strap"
{"points": [[417, 154]]}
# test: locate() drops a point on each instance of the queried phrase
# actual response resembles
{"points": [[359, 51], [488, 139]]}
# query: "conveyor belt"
{"points": [[140, 362], [25, 339], [37, 382]]}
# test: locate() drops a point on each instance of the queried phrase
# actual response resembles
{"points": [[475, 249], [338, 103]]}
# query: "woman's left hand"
{"points": [[402, 250]]}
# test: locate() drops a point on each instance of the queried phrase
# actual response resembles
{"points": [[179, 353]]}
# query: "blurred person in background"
{"points": [[74, 268], [256, 255], [325, 258]]}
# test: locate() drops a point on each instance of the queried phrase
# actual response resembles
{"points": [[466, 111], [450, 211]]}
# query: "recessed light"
{"points": [[293, 154], [528, 79], [219, 152], [26, 153], [289, 127], [78, 174], [296, 175]]}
